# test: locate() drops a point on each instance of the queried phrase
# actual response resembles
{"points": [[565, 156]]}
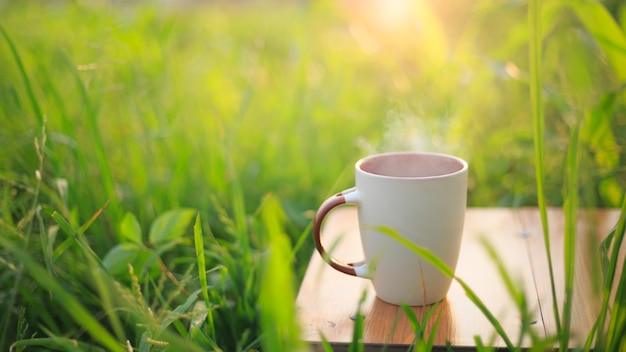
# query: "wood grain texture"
{"points": [[328, 299]]}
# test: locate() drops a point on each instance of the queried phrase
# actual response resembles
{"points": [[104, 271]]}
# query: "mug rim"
{"points": [[360, 162]]}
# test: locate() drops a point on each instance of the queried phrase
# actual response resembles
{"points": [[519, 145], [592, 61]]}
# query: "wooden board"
{"points": [[327, 299]]}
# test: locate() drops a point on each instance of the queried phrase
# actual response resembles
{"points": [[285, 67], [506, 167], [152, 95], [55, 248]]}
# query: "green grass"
{"points": [[159, 167]]}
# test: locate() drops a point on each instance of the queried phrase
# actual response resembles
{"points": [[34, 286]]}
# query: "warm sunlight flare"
{"points": [[383, 16], [413, 27], [392, 14]]}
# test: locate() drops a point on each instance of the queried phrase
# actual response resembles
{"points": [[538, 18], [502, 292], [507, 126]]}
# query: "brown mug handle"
{"points": [[348, 196]]}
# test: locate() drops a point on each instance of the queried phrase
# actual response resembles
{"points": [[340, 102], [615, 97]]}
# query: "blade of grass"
{"points": [[512, 288], [202, 272], [73, 235], [178, 311], [605, 251], [18, 60], [277, 297], [617, 324], [326, 346], [515, 291], [480, 345], [435, 261], [410, 314], [356, 345], [46, 245], [433, 332], [302, 239], [419, 342], [239, 208], [601, 338], [571, 216], [536, 100]]}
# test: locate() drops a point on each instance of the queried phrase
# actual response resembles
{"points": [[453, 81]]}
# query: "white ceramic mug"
{"points": [[422, 196]]}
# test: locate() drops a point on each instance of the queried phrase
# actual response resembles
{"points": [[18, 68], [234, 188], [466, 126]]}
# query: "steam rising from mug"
{"points": [[423, 197]]}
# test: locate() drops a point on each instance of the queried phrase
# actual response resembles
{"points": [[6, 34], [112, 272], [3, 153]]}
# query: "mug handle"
{"points": [[350, 195]]}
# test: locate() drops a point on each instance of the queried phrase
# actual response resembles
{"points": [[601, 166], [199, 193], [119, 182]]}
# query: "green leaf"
{"points": [[199, 338], [197, 335], [326, 346], [74, 236], [144, 344], [60, 220], [170, 225], [178, 312], [433, 332], [130, 229], [607, 32], [410, 314], [605, 247], [117, 259], [480, 345]]}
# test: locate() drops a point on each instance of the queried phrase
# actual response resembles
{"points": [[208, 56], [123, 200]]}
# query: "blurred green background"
{"points": [[153, 106]]}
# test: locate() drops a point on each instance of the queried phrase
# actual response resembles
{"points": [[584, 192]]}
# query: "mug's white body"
{"points": [[426, 207]]}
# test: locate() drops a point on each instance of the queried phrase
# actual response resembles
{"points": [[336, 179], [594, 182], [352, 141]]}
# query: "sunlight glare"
{"points": [[393, 14], [383, 15]]}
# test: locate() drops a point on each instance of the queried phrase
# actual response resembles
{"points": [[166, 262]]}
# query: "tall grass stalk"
{"points": [[277, 296], [29, 89], [571, 218], [604, 336], [421, 341], [617, 325], [535, 42], [202, 274], [517, 294]]}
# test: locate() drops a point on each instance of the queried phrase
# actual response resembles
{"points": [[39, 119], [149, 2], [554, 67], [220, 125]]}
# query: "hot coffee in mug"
{"points": [[421, 196]]}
